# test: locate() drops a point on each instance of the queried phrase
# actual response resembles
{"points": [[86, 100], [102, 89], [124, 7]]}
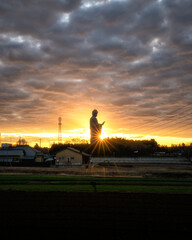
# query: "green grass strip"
{"points": [[100, 188], [83, 183]]}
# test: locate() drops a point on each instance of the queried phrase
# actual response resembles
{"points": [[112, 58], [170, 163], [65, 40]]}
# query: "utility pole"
{"points": [[59, 130]]}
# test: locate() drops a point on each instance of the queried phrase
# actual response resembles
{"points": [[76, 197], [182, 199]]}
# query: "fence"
{"points": [[143, 160]]}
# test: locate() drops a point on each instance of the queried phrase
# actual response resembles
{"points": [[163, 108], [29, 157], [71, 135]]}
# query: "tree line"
{"points": [[120, 147]]}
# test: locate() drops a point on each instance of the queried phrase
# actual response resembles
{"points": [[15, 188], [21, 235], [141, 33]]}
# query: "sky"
{"points": [[129, 59]]}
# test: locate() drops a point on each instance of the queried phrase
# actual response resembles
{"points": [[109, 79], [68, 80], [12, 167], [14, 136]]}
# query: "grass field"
{"points": [[95, 184], [95, 207]]}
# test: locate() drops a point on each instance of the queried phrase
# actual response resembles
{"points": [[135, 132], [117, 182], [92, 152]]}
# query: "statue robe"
{"points": [[95, 129]]}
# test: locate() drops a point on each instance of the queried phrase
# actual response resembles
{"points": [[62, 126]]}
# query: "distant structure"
{"points": [[72, 156], [59, 130], [21, 155], [95, 128]]}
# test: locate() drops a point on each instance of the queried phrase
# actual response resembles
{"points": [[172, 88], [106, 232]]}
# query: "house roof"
{"points": [[77, 151], [12, 153], [28, 150]]}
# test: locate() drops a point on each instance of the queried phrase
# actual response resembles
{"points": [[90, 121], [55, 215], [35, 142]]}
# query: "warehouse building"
{"points": [[72, 156]]}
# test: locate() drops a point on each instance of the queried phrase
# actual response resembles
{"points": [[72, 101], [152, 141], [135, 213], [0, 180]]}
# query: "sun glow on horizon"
{"points": [[82, 135]]}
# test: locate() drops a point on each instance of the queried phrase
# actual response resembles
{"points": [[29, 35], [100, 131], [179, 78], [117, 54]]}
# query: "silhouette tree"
{"points": [[22, 141]]}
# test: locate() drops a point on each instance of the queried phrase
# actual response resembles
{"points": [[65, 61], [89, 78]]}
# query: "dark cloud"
{"points": [[130, 56]]}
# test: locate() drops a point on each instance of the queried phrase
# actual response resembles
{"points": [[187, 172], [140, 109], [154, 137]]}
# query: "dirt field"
{"points": [[131, 170]]}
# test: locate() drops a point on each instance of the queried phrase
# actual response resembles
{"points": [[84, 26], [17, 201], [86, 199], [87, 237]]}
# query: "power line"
{"points": [[171, 123], [180, 111], [182, 129]]}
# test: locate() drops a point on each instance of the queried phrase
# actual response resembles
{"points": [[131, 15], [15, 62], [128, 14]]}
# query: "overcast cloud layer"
{"points": [[130, 59]]}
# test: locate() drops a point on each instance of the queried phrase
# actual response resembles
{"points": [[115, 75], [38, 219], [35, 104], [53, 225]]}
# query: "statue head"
{"points": [[94, 113]]}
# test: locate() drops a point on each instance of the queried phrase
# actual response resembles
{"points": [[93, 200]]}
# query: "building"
{"points": [[21, 155], [72, 156], [9, 155], [30, 154]]}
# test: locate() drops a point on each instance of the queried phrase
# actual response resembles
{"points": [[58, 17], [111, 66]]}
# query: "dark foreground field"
{"points": [[95, 215]]}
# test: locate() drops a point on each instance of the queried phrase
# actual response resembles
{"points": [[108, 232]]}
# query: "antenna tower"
{"points": [[59, 130]]}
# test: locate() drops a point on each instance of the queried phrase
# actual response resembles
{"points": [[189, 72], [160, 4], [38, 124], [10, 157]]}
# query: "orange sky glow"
{"points": [[130, 60], [81, 134]]}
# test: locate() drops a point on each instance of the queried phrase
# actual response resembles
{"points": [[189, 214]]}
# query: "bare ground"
{"points": [[137, 170]]}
